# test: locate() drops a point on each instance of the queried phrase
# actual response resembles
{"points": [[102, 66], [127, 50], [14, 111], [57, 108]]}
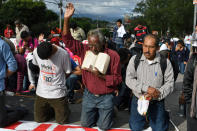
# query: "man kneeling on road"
{"points": [[150, 75], [54, 63], [97, 106]]}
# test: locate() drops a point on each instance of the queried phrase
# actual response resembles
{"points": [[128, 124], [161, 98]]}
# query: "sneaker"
{"points": [[9, 93], [182, 110], [71, 101]]}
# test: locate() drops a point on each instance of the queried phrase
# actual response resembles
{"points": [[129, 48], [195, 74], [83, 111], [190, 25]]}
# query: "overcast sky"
{"points": [[98, 8]]}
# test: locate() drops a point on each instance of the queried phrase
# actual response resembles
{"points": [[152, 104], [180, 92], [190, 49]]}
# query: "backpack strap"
{"points": [[137, 60], [163, 65]]}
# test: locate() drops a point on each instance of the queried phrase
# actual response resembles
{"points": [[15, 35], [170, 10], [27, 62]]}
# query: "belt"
{"points": [[98, 95]]}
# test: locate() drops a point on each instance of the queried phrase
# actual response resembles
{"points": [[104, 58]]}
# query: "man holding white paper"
{"points": [[97, 106], [151, 76]]}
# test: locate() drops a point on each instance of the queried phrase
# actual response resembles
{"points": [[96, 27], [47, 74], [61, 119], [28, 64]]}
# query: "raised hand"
{"points": [[69, 10]]}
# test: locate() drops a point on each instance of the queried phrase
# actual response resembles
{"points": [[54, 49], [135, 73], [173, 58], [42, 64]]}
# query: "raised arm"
{"points": [[74, 45], [67, 15]]}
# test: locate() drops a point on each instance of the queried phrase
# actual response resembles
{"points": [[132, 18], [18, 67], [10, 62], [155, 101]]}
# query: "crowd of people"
{"points": [[141, 65]]}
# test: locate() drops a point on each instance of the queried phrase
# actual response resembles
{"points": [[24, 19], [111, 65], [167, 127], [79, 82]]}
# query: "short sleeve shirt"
{"points": [[52, 79]]}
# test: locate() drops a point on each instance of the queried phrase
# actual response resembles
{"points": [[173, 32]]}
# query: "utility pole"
{"points": [[194, 17], [60, 7], [195, 9], [97, 22]]}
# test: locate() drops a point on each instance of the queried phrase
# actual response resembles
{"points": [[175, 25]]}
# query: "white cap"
{"points": [[163, 47]]}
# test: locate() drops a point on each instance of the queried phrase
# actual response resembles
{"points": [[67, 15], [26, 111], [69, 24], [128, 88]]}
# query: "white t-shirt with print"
{"points": [[52, 79]]}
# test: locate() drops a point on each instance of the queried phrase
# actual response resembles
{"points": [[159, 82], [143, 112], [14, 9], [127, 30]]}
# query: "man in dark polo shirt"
{"points": [[97, 106]]}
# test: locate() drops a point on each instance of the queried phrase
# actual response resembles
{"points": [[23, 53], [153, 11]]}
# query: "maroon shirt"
{"points": [[95, 84]]}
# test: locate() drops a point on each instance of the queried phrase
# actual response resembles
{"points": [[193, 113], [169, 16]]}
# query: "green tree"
{"points": [[87, 23], [30, 12], [161, 15]]}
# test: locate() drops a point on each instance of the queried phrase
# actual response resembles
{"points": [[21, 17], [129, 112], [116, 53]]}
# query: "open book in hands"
{"points": [[93, 62]]}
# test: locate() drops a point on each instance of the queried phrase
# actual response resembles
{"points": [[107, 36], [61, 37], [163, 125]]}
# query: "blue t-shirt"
{"points": [[73, 64], [6, 58]]}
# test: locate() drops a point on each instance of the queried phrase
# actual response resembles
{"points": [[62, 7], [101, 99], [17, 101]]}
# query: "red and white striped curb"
{"points": [[34, 126]]}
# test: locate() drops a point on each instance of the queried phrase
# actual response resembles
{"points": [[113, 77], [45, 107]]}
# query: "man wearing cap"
{"points": [[97, 105], [54, 63], [165, 50], [20, 28]]}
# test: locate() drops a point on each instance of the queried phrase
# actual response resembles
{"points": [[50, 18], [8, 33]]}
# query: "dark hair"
{"points": [[180, 42], [123, 53], [153, 37], [73, 25], [24, 34], [44, 50], [119, 20], [126, 36], [167, 41]]}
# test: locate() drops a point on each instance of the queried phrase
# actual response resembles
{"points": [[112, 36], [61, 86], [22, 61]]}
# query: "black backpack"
{"points": [[174, 61], [163, 63]]}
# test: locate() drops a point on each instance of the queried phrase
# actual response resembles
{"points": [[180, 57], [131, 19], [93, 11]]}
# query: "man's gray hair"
{"points": [[97, 33]]}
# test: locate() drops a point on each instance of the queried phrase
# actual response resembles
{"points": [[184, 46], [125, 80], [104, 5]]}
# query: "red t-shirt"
{"points": [[8, 33]]}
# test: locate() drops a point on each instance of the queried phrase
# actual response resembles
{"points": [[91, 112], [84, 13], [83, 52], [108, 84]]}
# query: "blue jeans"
{"points": [[97, 110], [181, 67], [156, 114], [71, 84], [25, 82], [119, 43], [188, 46]]}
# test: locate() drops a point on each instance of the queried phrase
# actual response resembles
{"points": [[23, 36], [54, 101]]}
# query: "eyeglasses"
{"points": [[93, 45]]}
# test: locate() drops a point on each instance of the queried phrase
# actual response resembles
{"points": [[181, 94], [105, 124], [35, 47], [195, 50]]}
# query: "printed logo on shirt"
{"points": [[47, 72]]}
